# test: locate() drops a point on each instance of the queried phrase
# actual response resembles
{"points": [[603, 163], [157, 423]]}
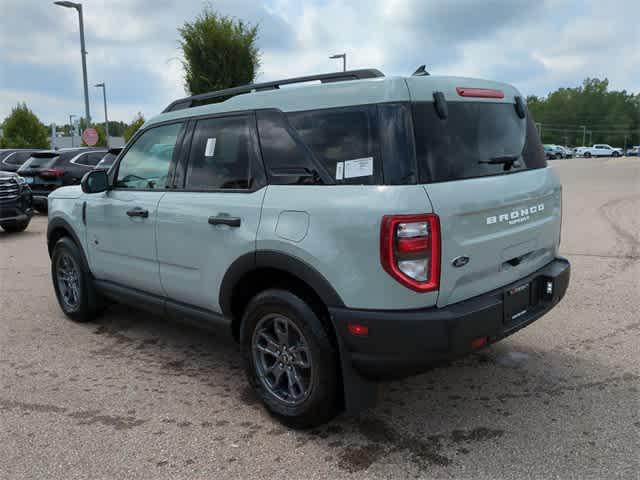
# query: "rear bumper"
{"points": [[403, 343]]}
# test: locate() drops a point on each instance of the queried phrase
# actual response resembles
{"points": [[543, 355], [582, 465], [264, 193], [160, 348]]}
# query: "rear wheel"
{"points": [[72, 283], [587, 154], [289, 359], [616, 154], [15, 227]]}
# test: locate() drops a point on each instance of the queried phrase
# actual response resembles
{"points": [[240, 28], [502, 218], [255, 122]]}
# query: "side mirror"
{"points": [[95, 181]]}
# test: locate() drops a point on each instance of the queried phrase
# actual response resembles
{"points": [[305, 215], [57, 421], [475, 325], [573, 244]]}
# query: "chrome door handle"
{"points": [[138, 212], [223, 219]]}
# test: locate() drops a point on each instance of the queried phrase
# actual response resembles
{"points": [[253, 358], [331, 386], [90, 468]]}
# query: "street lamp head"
{"points": [[99, 85], [337, 55], [68, 4]]}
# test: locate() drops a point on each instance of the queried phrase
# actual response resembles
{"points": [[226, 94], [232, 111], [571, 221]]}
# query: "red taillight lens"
{"points": [[479, 92], [358, 330], [52, 172], [410, 250]]}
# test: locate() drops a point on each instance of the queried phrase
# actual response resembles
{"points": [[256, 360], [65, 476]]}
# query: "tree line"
{"points": [[591, 112]]}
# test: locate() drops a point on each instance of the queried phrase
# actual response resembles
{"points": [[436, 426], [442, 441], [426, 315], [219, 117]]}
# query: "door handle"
{"points": [[138, 212], [224, 219]]}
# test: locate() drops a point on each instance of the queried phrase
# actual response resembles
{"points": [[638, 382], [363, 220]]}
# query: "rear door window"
{"points": [[222, 153], [474, 134], [40, 161], [344, 140], [16, 158]]}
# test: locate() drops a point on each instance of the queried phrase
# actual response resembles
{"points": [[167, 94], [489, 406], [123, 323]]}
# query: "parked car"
{"points": [[333, 253], [632, 151], [15, 203], [601, 150], [10, 160], [566, 151], [47, 170], [108, 159], [551, 153]]}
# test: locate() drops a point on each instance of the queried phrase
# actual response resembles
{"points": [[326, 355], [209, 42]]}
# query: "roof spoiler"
{"points": [[204, 98], [46, 154], [115, 150]]}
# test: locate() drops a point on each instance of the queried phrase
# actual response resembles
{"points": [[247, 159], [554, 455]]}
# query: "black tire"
{"points": [[587, 154], [15, 227], [616, 154], [319, 403], [85, 306]]}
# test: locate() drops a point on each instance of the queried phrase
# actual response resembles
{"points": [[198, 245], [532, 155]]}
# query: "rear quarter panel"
{"points": [[339, 236]]}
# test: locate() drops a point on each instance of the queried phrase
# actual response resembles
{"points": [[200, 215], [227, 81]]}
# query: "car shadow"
{"points": [[436, 421]]}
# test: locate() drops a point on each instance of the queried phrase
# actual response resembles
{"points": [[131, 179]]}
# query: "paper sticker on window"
{"points": [[210, 149], [360, 167], [339, 170]]}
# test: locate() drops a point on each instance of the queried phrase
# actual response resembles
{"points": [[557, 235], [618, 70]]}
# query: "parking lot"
{"points": [[135, 396]]}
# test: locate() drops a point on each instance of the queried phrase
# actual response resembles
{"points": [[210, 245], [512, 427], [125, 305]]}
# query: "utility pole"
{"points": [[584, 135], [590, 137], [343, 56], [72, 129], [106, 119], [539, 127], [83, 54]]}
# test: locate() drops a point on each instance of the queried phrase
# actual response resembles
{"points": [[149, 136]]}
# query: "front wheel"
{"points": [[587, 154], [71, 282], [616, 154], [15, 227], [289, 359]]}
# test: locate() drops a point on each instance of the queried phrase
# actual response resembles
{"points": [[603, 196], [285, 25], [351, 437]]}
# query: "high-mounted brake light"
{"points": [[479, 92], [410, 250]]}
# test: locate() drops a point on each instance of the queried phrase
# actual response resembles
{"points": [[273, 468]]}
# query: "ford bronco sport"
{"points": [[344, 232]]}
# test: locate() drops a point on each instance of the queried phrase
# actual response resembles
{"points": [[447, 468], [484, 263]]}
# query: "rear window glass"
{"points": [[344, 140], [474, 133], [106, 161], [40, 162]]}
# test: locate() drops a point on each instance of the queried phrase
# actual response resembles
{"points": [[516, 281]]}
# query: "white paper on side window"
{"points": [[339, 170], [360, 167], [210, 149]]}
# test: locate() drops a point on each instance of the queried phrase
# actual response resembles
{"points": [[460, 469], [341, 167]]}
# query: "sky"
{"points": [[537, 45]]}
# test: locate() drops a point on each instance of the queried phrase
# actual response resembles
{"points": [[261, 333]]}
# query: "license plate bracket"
{"points": [[517, 303]]}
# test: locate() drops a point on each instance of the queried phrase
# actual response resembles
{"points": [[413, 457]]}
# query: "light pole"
{"points": [[83, 52], [106, 120], [590, 137], [73, 130], [584, 135], [343, 56]]}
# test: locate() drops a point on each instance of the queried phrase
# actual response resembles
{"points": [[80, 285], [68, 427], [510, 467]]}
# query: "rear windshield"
{"points": [[106, 161], [474, 133], [17, 158], [39, 162]]}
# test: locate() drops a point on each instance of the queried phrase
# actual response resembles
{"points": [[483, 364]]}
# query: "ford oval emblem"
{"points": [[460, 261]]}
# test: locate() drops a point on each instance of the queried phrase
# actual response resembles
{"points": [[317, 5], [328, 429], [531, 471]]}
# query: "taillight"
{"points": [[410, 250], [52, 172]]}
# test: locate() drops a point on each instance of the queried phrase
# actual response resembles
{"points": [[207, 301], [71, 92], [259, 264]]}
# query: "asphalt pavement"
{"points": [[135, 396]]}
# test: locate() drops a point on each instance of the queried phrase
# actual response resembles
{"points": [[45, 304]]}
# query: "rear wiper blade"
{"points": [[506, 160]]}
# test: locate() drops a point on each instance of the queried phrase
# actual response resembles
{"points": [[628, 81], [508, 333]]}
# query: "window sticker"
{"points": [[210, 149], [360, 167], [339, 170]]}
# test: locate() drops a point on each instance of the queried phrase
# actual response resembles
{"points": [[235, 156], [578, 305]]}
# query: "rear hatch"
{"points": [[41, 173], [485, 173]]}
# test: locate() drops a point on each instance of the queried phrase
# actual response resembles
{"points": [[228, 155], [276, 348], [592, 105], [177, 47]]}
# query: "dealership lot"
{"points": [[134, 396]]}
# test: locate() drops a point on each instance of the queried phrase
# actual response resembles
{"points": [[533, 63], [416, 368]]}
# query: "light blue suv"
{"points": [[358, 229]]}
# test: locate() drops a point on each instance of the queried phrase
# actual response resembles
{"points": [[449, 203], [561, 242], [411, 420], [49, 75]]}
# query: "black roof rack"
{"points": [[202, 99]]}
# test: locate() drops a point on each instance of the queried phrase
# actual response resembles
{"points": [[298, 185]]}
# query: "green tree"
{"points": [[219, 52], [606, 116], [23, 129], [133, 127]]}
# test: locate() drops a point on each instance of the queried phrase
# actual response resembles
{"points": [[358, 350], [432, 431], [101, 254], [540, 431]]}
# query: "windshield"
{"points": [[16, 158], [473, 140]]}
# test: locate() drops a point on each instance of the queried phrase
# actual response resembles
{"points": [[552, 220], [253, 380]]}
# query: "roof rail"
{"points": [[203, 98]]}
